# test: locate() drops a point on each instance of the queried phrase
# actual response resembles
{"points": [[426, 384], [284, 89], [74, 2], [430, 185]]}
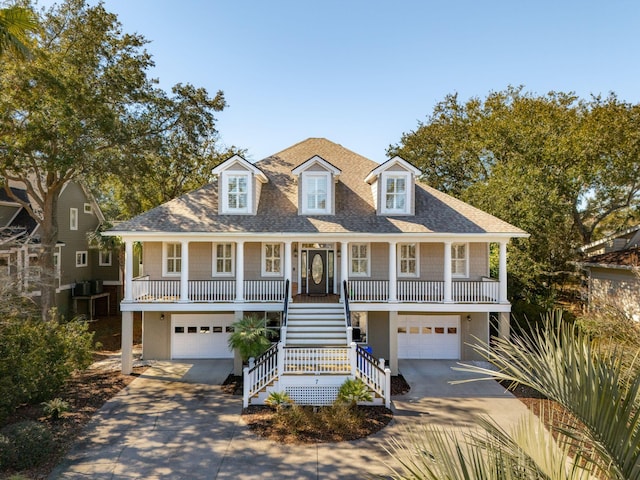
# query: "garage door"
{"points": [[429, 336], [201, 335]]}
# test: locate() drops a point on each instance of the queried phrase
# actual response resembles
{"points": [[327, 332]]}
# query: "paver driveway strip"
{"points": [[175, 422]]}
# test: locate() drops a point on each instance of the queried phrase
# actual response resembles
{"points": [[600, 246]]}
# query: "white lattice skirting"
{"points": [[312, 395]]}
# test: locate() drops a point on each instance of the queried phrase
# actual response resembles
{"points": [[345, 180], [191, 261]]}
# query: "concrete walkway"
{"points": [[175, 422]]}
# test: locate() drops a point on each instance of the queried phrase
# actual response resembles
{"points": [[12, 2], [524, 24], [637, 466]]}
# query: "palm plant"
{"points": [[250, 337], [15, 25], [352, 391], [559, 361], [278, 400]]}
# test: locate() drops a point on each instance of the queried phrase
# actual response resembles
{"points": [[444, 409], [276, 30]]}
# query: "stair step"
{"points": [[316, 328], [312, 341]]}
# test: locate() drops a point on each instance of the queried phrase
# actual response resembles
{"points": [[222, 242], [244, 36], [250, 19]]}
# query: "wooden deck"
{"points": [[331, 298]]}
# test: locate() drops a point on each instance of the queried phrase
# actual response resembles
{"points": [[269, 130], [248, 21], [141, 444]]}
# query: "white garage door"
{"points": [[201, 335], [429, 336]]}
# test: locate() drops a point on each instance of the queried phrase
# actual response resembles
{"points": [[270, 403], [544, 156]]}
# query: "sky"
{"points": [[362, 73]]}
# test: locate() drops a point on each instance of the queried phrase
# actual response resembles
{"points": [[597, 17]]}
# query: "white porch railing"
{"points": [[426, 292], [475, 292], [368, 290], [145, 290], [206, 291], [416, 291], [299, 361], [263, 290], [212, 290]]}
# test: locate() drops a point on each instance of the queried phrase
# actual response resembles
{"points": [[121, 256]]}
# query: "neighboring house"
{"points": [[331, 248], [75, 261], [612, 266]]}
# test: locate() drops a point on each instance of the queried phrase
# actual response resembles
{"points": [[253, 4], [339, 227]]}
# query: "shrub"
{"points": [[37, 357], [28, 443], [55, 407], [341, 418], [278, 400], [352, 391]]}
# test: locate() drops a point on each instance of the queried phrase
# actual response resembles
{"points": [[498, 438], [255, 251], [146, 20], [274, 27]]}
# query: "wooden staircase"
{"points": [[316, 325]]}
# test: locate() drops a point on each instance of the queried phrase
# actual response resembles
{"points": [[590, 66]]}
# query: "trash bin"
{"points": [[96, 286], [82, 289]]}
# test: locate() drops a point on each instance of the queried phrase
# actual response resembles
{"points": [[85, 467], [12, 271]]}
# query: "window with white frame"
{"points": [[105, 258], [56, 264], [172, 259], [272, 259], [315, 195], [360, 260], [408, 265], [223, 259], [34, 271], [73, 219], [396, 190], [82, 259], [87, 208], [235, 192], [459, 260]]}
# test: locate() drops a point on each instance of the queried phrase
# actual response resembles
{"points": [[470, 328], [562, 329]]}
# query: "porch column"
{"points": [[240, 271], [287, 266], [447, 273], [127, 342], [128, 271], [184, 271], [344, 266], [502, 296], [393, 342], [393, 272]]}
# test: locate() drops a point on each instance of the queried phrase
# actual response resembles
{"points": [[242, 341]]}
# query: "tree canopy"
{"points": [[16, 23], [560, 167], [83, 108]]}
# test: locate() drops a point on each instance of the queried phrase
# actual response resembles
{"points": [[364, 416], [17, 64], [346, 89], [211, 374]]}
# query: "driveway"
{"points": [[175, 422]]}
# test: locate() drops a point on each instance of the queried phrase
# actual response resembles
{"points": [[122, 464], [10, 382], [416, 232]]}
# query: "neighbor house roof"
{"points": [[621, 258], [355, 212]]}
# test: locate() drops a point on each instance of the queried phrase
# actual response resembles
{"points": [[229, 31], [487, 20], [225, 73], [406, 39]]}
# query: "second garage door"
{"points": [[429, 336], [201, 335]]}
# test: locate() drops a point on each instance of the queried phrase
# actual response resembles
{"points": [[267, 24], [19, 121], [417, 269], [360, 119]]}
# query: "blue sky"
{"points": [[363, 72]]}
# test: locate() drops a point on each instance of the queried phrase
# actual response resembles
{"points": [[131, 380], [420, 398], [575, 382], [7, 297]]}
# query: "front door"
{"points": [[317, 272]]}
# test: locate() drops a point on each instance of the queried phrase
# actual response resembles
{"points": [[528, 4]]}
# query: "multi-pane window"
{"points": [[408, 260], [316, 189], [104, 258], [223, 259], [4, 265], [173, 258], [459, 259], [272, 259], [360, 259], [237, 192], [82, 259], [396, 193], [73, 219]]}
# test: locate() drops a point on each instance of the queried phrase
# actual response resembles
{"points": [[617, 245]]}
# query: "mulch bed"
{"points": [[85, 392]]}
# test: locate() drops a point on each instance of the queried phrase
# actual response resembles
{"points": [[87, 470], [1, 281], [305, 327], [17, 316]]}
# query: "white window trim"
{"points": [[73, 218], [466, 261], [225, 192], [87, 208], [359, 274], [407, 201], [263, 261], [56, 264], [101, 261], [399, 259], [214, 255], [304, 197], [86, 258], [165, 258]]}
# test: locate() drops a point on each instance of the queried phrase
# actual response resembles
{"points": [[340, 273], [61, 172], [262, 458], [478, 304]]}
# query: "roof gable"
{"points": [[237, 161], [396, 164], [316, 160]]}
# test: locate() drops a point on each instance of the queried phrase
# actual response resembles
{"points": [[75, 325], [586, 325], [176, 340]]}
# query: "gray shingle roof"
{"points": [[436, 212]]}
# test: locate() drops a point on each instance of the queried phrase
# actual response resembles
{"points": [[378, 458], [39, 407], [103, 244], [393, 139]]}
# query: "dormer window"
{"points": [[393, 187], [237, 192], [316, 186], [315, 193], [239, 186], [396, 193]]}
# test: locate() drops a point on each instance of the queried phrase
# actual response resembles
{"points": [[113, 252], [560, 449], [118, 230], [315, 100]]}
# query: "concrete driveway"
{"points": [[174, 422]]}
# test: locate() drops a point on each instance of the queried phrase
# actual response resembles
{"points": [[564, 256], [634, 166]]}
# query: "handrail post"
{"points": [[349, 335], [387, 387], [280, 359], [353, 358], [245, 387]]}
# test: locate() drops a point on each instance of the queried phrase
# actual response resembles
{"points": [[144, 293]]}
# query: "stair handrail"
{"points": [[374, 374], [347, 311], [260, 373], [285, 313]]}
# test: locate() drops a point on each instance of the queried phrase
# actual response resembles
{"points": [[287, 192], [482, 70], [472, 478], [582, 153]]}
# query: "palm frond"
{"points": [[16, 23]]}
